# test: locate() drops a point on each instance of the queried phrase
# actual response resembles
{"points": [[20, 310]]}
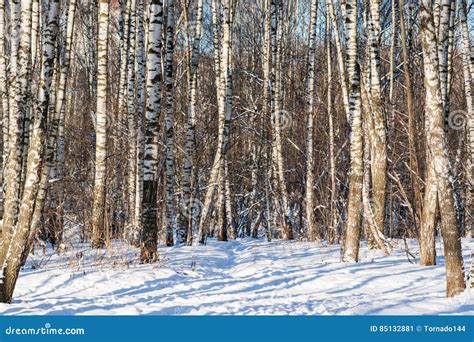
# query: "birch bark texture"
{"points": [[438, 193], [100, 179], [353, 225], [310, 84], [19, 236], [153, 110]]}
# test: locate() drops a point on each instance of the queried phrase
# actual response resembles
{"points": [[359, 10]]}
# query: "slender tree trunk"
{"points": [[220, 87], [152, 128], [279, 115], [56, 139], [189, 205], [309, 123], [377, 137], [3, 100], [140, 109], [340, 58], [35, 30], [133, 233], [468, 84], [443, 50], [412, 150], [353, 227], [224, 98], [169, 130], [98, 208], [333, 233]]}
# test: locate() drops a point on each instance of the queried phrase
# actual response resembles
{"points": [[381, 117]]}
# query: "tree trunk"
{"points": [[437, 181], [189, 205], [100, 179], [20, 59], [19, 239], [309, 124], [353, 226], [169, 131], [150, 158], [378, 143]]}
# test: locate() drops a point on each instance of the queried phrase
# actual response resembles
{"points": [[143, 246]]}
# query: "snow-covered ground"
{"points": [[239, 277]]}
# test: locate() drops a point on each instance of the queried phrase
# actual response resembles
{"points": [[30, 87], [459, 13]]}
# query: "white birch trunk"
{"points": [[150, 156], [187, 215], [437, 181], [310, 84], [100, 179], [353, 226], [169, 129], [19, 237]]}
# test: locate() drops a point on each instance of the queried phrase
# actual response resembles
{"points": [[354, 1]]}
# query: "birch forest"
{"points": [[166, 125]]}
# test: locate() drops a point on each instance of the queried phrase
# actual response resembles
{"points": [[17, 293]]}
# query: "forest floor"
{"points": [[250, 277]]}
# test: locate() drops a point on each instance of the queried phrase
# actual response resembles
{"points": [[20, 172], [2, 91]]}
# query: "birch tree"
{"points": [[187, 212], [223, 49], [140, 109], [100, 179], [378, 144], [309, 133], [3, 97], [21, 44], [439, 193], [353, 225], [11, 257], [153, 111], [169, 127]]}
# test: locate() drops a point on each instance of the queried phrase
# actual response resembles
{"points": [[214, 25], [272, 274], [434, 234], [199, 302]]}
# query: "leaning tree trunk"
{"points": [[224, 101], [353, 226], [214, 174], [150, 157], [340, 58], [20, 59], [98, 208], [3, 101], [438, 184], [19, 239]]}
